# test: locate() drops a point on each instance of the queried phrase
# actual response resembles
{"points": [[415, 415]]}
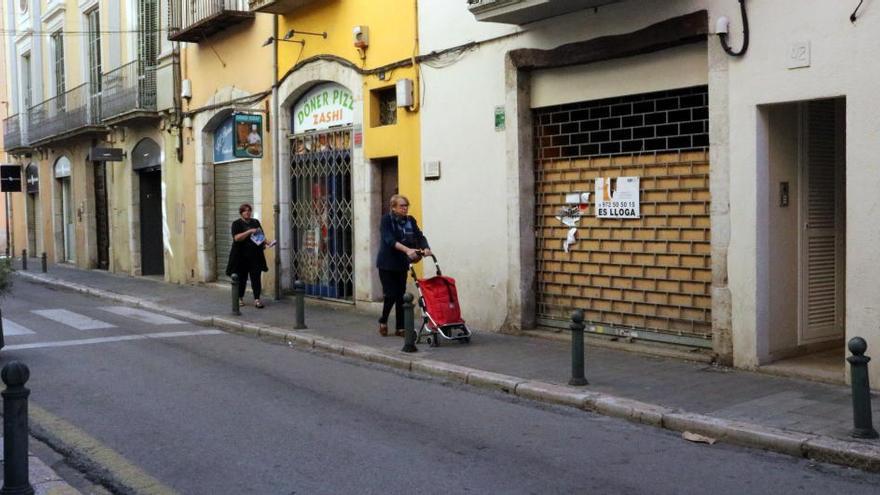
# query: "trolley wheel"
{"points": [[433, 341], [466, 340]]}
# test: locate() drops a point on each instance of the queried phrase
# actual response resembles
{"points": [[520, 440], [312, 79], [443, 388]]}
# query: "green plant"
{"points": [[5, 276]]}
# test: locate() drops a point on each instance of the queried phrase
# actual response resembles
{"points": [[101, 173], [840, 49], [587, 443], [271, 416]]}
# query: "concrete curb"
{"points": [[825, 449]]}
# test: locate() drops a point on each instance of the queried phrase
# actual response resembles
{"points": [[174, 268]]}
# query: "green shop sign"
{"points": [[324, 106]]}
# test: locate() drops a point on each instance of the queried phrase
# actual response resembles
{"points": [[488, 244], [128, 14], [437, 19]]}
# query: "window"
{"points": [[148, 32], [94, 46], [383, 107], [26, 100], [58, 61]]}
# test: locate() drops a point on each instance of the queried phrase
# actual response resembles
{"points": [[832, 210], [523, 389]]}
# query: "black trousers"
{"points": [[393, 286], [256, 285]]}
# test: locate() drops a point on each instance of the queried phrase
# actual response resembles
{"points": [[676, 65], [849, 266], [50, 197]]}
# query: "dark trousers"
{"points": [[393, 286], [256, 285]]}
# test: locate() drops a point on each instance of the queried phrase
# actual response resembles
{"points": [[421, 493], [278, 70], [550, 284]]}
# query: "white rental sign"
{"points": [[617, 197]]}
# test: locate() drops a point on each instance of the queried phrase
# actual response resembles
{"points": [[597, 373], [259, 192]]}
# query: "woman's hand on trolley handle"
{"points": [[417, 254]]}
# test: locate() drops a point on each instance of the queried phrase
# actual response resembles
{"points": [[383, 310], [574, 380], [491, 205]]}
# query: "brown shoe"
{"points": [[399, 333], [383, 329]]}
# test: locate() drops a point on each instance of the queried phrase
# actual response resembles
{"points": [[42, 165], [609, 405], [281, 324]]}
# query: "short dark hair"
{"points": [[245, 206]]}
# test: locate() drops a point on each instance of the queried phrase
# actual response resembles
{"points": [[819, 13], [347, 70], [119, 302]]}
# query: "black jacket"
{"points": [[393, 230], [244, 255]]}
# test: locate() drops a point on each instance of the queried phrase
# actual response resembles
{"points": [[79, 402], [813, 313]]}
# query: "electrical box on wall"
{"points": [[186, 89], [405, 93], [432, 170], [361, 36]]}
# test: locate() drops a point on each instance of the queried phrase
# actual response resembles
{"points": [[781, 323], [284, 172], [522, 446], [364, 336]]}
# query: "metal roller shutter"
{"points": [[233, 185]]}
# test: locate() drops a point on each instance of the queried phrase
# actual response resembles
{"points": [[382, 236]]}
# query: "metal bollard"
{"points": [[577, 349], [236, 310], [24, 259], [863, 425], [15, 430], [409, 331], [43, 262], [299, 296], [2, 337]]}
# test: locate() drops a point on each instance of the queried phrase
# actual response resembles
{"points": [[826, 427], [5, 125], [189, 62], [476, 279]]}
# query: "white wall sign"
{"points": [[617, 197], [324, 106], [799, 55]]}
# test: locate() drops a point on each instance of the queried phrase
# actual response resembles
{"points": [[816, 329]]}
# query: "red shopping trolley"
{"points": [[441, 312]]}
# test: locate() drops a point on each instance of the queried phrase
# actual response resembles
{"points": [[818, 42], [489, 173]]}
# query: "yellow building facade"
{"points": [[92, 123], [347, 99]]}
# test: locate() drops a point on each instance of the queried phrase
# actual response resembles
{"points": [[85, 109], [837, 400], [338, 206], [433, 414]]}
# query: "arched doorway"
{"points": [[321, 208], [233, 185], [64, 213], [146, 160]]}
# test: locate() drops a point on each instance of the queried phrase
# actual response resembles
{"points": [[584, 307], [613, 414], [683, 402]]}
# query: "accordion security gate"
{"points": [[321, 214]]}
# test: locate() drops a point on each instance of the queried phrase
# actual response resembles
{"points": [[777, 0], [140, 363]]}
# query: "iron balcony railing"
{"points": [[128, 89], [76, 109], [195, 20], [14, 134]]}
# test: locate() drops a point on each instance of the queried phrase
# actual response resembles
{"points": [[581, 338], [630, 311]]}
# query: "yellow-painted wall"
{"points": [[392, 38], [232, 61]]}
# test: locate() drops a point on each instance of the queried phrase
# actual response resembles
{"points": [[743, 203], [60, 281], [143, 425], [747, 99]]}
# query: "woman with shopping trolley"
{"points": [[401, 243]]}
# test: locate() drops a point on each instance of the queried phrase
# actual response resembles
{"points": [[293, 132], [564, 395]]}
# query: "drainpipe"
{"points": [[276, 166]]}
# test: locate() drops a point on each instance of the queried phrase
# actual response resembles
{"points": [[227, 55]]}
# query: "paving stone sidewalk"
{"points": [[43, 478], [804, 408]]}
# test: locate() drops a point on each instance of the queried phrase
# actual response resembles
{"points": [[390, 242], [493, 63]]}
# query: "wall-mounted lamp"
{"points": [[290, 34]]}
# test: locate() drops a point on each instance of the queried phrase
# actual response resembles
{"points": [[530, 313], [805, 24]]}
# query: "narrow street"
{"points": [[195, 410]]}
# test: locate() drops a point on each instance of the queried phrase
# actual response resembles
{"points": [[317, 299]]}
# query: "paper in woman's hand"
{"points": [[258, 237]]}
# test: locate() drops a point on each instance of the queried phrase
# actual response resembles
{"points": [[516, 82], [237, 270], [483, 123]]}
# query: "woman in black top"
{"points": [[246, 258], [401, 243]]}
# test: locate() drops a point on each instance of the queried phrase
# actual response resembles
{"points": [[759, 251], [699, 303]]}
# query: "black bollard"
{"points": [[863, 425], [43, 261], [299, 301], [409, 331], [24, 259], [236, 310], [15, 430], [577, 349]]}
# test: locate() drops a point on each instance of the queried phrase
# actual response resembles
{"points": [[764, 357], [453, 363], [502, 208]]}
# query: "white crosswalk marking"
{"points": [[13, 328], [141, 315], [119, 338], [71, 319]]}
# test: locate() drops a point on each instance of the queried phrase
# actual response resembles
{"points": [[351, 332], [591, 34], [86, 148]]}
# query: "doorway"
{"points": [[152, 255], [233, 185], [389, 183], [806, 215], [102, 221], [67, 229], [33, 223]]}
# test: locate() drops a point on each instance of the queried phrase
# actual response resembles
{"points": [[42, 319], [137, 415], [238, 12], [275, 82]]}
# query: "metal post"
{"points": [[43, 261], [234, 286], [24, 259], [15, 430], [577, 349], [409, 331], [299, 296], [863, 425], [2, 336]]}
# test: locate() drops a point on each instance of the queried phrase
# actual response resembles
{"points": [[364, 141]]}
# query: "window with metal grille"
{"points": [[94, 45], [58, 61]]}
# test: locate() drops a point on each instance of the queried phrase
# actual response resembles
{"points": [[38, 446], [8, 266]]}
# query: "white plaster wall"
{"points": [[466, 211], [843, 64]]}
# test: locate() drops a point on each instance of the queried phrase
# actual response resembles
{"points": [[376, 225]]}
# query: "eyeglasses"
{"points": [[403, 205]]}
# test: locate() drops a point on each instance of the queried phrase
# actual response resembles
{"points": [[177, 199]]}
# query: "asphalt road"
{"points": [[158, 406]]}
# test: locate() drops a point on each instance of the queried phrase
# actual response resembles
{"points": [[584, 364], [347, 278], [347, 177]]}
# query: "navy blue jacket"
{"points": [[393, 230]]}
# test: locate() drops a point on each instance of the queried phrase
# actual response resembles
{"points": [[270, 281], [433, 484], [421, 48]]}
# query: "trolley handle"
{"points": [[433, 257]]}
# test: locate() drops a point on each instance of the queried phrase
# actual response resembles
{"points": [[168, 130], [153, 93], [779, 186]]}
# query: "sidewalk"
{"points": [[797, 417], [42, 477]]}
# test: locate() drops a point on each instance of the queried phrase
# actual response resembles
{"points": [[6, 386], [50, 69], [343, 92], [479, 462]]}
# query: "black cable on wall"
{"points": [[745, 45]]}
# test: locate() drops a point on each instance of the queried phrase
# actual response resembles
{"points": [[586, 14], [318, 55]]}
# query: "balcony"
{"points": [[193, 21], [73, 113], [128, 93], [15, 137], [277, 6], [525, 11]]}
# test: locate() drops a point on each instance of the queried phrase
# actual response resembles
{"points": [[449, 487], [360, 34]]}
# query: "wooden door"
{"points": [[152, 252]]}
